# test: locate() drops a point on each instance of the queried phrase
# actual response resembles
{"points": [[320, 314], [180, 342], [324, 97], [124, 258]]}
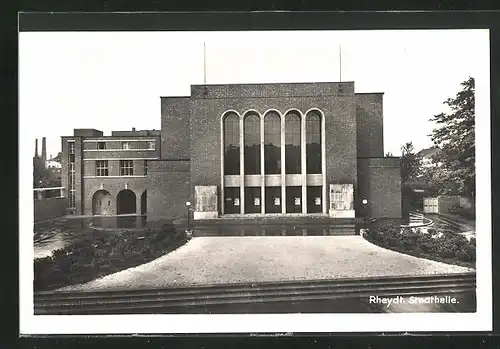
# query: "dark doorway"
{"points": [[231, 200], [144, 202], [314, 200], [101, 203], [252, 200], [293, 199], [273, 199], [125, 202]]}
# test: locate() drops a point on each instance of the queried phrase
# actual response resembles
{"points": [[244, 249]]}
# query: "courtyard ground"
{"points": [[212, 260]]}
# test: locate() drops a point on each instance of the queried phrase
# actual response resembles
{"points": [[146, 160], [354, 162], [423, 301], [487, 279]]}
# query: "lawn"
{"points": [[105, 253], [443, 246]]}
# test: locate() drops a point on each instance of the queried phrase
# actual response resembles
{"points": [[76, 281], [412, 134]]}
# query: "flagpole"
{"points": [[340, 62], [204, 64]]}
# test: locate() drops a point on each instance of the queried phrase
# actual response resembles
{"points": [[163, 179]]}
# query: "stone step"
{"points": [[287, 284], [140, 301]]}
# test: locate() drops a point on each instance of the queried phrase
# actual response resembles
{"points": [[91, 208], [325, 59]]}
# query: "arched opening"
{"points": [[292, 143], [125, 202], [231, 136], [102, 203], [313, 145], [252, 143], [144, 202], [272, 143]]}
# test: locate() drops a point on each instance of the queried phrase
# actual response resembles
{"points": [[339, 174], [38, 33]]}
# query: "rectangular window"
{"points": [[145, 167], [126, 167], [101, 145], [126, 145], [151, 145], [71, 147], [71, 157], [101, 167]]}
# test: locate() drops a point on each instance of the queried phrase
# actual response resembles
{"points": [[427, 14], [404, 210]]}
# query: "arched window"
{"points": [[272, 143], [252, 143], [313, 139], [231, 144], [292, 143]]}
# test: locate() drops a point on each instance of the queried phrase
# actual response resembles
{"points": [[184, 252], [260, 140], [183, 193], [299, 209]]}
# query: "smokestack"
{"points": [[44, 149], [36, 147]]}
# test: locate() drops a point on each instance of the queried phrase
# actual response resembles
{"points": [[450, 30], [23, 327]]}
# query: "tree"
{"points": [[410, 164], [455, 135]]}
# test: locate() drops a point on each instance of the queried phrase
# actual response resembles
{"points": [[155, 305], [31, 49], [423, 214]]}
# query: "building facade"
{"points": [[107, 175], [251, 149]]}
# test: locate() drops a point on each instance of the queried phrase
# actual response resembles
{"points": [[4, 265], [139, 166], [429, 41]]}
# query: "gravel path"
{"points": [[209, 260]]}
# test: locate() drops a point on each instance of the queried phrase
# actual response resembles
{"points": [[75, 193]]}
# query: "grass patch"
{"points": [[443, 246], [104, 253]]}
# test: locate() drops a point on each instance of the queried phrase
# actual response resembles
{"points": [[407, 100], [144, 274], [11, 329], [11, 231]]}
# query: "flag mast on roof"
{"points": [[205, 91], [340, 63]]}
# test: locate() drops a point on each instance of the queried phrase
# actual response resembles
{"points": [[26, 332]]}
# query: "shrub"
{"points": [[447, 246], [104, 254]]}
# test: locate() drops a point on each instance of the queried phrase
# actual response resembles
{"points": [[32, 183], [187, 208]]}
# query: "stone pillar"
{"points": [[303, 162], [137, 204], [283, 174], [61, 192], [222, 165], [242, 166], [262, 168], [323, 163]]}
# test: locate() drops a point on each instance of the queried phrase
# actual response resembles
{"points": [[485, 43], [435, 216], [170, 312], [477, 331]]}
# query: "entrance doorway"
{"points": [[101, 203], [273, 199], [231, 200], [314, 200], [252, 200], [293, 199], [125, 202]]}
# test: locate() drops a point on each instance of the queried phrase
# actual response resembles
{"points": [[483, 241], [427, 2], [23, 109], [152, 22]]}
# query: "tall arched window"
{"points": [[231, 144], [292, 143], [272, 143], [313, 139], [252, 143]]}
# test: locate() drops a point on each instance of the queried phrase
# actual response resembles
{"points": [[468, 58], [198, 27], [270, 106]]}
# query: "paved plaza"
{"points": [[212, 260]]}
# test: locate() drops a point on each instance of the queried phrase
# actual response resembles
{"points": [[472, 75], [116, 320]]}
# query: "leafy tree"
{"points": [[455, 135], [57, 157], [410, 164], [410, 173]]}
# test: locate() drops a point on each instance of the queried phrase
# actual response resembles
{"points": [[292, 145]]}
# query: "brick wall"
{"points": [[370, 124], [379, 181], [168, 189], [175, 116], [113, 186], [337, 106]]}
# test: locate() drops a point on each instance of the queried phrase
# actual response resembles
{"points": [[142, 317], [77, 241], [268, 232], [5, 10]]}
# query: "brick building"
{"points": [[107, 175], [251, 149]]}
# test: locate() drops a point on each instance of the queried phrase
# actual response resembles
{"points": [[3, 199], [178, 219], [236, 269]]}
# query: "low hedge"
{"points": [[443, 246], [469, 213], [102, 254]]}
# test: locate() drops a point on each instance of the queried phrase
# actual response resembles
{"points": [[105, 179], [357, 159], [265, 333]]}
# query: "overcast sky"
{"points": [[113, 80]]}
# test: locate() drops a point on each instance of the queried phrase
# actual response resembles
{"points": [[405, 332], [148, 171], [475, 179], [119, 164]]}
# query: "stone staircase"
{"points": [[234, 298]]}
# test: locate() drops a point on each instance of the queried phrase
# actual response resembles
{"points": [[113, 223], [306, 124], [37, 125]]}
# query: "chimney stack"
{"points": [[36, 147], [133, 129], [44, 149]]}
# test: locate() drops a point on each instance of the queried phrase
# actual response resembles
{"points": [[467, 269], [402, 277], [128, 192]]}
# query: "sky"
{"points": [[114, 80]]}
